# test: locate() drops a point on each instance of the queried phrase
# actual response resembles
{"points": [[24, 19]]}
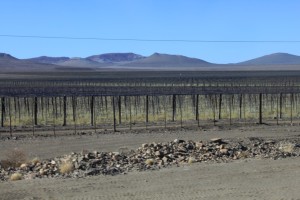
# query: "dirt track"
{"points": [[246, 179]]}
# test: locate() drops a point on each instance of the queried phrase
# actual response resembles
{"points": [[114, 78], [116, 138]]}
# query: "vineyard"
{"points": [[135, 99]]}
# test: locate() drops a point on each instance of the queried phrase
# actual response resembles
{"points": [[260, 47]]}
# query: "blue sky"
{"points": [[151, 19]]}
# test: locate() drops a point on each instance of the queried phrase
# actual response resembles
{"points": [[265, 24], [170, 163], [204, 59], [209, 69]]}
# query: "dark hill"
{"points": [[165, 60], [115, 57], [274, 59], [7, 56], [49, 60], [9, 63]]}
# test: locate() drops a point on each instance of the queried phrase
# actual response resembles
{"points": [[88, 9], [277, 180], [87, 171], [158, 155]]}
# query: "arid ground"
{"points": [[241, 179]]}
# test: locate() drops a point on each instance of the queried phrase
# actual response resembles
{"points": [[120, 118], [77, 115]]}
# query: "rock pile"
{"points": [[152, 156]]}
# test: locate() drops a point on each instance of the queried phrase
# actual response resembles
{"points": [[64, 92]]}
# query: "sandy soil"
{"points": [[244, 179]]}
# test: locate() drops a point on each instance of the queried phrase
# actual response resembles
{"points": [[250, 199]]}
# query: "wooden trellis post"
{"points": [[35, 110], [277, 115], [9, 108], [74, 105], [230, 108], [292, 103], [147, 109], [92, 107], [120, 109], [241, 103], [65, 110], [130, 114], [220, 106], [165, 111], [34, 115], [260, 108], [197, 110], [114, 114], [2, 111], [174, 107], [280, 106]]}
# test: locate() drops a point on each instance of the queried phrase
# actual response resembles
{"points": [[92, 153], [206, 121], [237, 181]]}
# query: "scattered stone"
{"points": [[178, 141], [151, 156], [216, 140], [23, 166], [224, 151]]}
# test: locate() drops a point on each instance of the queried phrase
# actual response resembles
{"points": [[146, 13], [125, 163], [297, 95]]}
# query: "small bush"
{"points": [[16, 177], [66, 167], [14, 158], [191, 160], [149, 162], [35, 160], [243, 154], [287, 147]]}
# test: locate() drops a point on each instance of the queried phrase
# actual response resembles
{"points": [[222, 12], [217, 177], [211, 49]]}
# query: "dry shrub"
{"points": [[286, 147], [191, 160], [243, 154], [14, 158], [149, 162], [66, 167], [16, 177], [35, 160]]}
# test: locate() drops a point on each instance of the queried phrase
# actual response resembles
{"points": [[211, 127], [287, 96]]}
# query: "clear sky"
{"points": [[151, 19]]}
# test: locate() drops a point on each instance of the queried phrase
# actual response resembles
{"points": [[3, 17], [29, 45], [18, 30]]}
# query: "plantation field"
{"points": [[106, 100]]}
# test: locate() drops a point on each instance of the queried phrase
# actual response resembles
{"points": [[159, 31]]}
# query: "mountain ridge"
{"points": [[156, 61], [159, 60], [273, 59]]}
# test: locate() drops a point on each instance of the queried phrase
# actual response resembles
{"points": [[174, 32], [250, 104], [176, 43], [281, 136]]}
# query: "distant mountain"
{"points": [[131, 61], [9, 63], [274, 59], [7, 56], [95, 61], [158, 60], [49, 60], [115, 57], [81, 62]]}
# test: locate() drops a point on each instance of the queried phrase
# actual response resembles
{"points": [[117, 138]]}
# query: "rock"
{"points": [[181, 159], [178, 141], [94, 162], [199, 144], [92, 171], [165, 159], [23, 166], [149, 151], [182, 149], [189, 146], [80, 158], [89, 156], [269, 142], [152, 156], [158, 154], [216, 140], [167, 151], [224, 151], [76, 165], [145, 145]]}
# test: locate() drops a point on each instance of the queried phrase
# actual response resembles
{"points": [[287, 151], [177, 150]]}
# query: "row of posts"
{"points": [[92, 106]]}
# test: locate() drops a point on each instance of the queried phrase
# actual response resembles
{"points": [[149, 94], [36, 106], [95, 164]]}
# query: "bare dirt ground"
{"points": [[242, 179]]}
